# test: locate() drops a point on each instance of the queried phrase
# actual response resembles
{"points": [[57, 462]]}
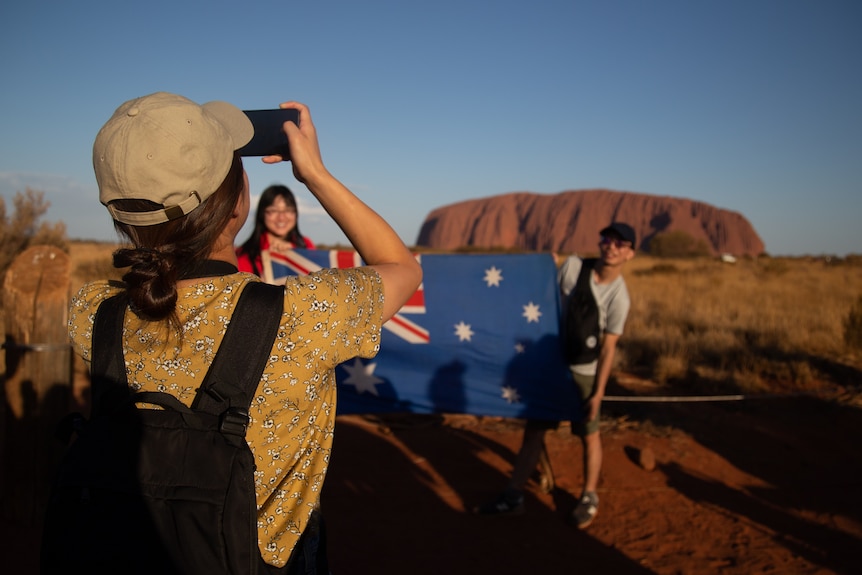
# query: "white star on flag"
{"points": [[494, 323], [493, 276], [362, 376], [531, 312], [510, 394], [463, 331]]}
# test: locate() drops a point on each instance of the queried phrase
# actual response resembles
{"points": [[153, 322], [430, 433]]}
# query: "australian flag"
{"points": [[479, 336]]}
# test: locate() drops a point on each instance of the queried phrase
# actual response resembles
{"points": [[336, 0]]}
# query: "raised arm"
{"points": [[370, 234]]}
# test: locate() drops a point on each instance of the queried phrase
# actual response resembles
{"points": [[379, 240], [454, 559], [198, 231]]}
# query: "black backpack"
{"points": [[171, 490], [581, 333]]}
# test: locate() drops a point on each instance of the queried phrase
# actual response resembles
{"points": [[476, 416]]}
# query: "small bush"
{"points": [[853, 326], [658, 269], [677, 244], [22, 229], [669, 368], [775, 267]]}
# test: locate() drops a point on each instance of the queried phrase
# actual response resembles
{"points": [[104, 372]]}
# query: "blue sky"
{"points": [[749, 105]]}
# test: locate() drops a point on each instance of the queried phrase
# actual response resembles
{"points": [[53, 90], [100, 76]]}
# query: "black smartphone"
{"points": [[269, 138]]}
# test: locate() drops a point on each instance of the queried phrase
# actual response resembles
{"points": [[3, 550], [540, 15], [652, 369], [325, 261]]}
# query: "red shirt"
{"points": [[244, 262]]}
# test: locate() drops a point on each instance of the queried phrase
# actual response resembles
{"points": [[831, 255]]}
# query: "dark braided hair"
{"points": [[161, 252]]}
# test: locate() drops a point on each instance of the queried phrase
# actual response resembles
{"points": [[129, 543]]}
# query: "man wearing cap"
{"points": [[617, 246]]}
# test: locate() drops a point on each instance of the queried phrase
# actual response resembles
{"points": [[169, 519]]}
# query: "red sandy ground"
{"points": [[761, 486]]}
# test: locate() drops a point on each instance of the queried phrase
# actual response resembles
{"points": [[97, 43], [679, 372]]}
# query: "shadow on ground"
{"points": [[396, 510]]}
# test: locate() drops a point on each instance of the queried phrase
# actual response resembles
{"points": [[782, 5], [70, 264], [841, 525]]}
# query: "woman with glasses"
{"points": [[276, 228]]}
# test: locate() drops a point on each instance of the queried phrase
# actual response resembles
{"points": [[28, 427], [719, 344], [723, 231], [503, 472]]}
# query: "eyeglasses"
{"points": [[273, 212], [616, 242]]}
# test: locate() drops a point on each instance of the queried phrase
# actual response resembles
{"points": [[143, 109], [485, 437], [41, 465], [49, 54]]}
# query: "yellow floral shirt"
{"points": [[329, 317]]}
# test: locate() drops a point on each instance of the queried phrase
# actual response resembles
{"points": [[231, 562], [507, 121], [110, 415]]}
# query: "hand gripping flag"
{"points": [[480, 336]]}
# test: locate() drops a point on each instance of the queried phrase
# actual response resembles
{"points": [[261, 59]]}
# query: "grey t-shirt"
{"points": [[613, 301]]}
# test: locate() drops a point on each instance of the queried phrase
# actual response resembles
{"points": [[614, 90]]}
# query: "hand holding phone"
{"points": [[269, 138]]}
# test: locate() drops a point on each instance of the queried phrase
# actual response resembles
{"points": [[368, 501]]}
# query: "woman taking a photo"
{"points": [[169, 173]]}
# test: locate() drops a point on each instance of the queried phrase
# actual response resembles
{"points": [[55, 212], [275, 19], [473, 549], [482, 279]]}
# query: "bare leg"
{"points": [[592, 461], [588, 504], [528, 457], [546, 472]]}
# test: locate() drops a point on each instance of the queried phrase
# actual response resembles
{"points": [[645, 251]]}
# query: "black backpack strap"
{"points": [[107, 367], [236, 370], [582, 284], [234, 374], [581, 318]]}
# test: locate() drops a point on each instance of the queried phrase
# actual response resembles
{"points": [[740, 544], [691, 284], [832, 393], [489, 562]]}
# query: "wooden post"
{"points": [[38, 379]]}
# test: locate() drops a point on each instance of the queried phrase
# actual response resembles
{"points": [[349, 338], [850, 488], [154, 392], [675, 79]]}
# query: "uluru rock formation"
{"points": [[569, 222]]}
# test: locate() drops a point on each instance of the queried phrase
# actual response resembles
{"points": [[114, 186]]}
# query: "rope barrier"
{"points": [[37, 346], [672, 399], [701, 398]]}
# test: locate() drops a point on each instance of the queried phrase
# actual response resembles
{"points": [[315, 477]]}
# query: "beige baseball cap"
{"points": [[169, 150]]}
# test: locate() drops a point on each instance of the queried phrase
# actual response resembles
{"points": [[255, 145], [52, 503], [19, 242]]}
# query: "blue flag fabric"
{"points": [[480, 336]]}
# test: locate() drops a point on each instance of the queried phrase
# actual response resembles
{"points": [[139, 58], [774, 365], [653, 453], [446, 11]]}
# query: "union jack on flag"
{"points": [[480, 336], [278, 265]]}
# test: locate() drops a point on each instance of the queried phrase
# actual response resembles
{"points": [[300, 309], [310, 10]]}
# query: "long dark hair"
{"points": [[251, 247], [163, 251]]}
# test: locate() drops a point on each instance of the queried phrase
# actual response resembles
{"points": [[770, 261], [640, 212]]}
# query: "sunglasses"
{"points": [[616, 242]]}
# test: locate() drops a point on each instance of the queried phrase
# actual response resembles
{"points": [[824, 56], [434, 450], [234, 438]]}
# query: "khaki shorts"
{"points": [[585, 385]]}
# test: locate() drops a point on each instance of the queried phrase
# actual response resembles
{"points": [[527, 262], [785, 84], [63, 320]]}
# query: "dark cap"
{"points": [[624, 231]]}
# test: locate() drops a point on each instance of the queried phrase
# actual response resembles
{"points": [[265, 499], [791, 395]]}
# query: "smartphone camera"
{"points": [[269, 138]]}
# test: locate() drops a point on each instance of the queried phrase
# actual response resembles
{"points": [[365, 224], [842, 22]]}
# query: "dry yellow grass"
{"points": [[749, 326], [91, 260]]}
